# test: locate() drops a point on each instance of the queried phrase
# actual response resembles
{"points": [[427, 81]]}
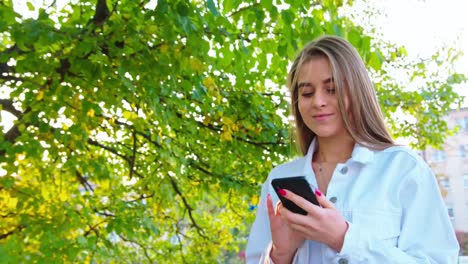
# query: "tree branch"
{"points": [[142, 197], [103, 213], [94, 228], [16, 229], [145, 251], [115, 152], [242, 9], [7, 105], [189, 208], [102, 12], [84, 182], [132, 160], [181, 246], [4, 66]]}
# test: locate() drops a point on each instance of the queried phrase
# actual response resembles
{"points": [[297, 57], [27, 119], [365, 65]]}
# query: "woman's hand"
{"points": [[286, 241], [322, 224]]}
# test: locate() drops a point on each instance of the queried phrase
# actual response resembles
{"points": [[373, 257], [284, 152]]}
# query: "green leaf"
{"points": [[375, 60], [30, 6], [212, 7], [182, 9], [287, 16]]}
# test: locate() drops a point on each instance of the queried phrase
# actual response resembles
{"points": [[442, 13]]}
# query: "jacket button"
{"points": [[344, 170], [333, 199], [342, 261]]}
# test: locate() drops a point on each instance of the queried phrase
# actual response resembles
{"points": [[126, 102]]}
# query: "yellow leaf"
{"points": [[90, 113], [229, 124], [40, 95], [209, 82], [105, 185], [258, 130], [42, 209], [63, 196], [254, 200], [130, 115], [235, 127], [206, 120], [164, 48], [227, 121], [76, 102], [12, 202], [226, 135], [7, 202], [72, 144], [195, 183], [196, 65]]}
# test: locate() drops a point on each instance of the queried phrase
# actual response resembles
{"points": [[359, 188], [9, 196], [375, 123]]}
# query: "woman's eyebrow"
{"points": [[304, 84], [328, 80], [308, 84]]}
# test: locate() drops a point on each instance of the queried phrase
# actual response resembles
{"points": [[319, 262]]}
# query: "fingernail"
{"points": [[282, 192], [318, 192]]}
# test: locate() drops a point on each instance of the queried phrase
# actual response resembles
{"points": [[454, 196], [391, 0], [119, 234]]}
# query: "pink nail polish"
{"points": [[282, 192], [318, 192]]}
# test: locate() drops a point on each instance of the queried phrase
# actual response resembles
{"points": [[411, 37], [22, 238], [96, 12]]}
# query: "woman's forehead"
{"points": [[315, 70]]}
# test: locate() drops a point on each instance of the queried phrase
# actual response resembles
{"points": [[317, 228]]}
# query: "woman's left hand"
{"points": [[322, 224]]}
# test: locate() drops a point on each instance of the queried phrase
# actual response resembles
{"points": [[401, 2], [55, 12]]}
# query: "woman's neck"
{"points": [[334, 149]]}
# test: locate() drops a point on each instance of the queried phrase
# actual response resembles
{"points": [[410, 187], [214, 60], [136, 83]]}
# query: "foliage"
{"points": [[143, 131]]}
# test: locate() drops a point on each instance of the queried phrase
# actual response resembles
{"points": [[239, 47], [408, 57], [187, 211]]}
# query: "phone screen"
{"points": [[298, 185]]}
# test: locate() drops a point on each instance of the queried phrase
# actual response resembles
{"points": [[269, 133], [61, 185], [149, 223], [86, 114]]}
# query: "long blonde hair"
{"points": [[367, 126]]}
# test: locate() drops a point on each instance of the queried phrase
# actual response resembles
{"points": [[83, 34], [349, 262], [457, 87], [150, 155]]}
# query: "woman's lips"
{"points": [[321, 117]]}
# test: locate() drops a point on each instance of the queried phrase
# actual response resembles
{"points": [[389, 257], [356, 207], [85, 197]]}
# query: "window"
{"points": [[445, 183], [465, 181], [438, 155], [450, 211], [464, 151], [463, 123]]}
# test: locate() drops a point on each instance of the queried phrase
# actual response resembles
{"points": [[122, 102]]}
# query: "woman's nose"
{"points": [[320, 99]]}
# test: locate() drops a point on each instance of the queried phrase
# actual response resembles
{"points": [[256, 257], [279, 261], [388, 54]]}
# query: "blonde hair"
{"points": [[367, 126]]}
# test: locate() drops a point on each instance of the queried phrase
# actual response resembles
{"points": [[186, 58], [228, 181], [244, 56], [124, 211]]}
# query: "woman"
{"points": [[380, 202]]}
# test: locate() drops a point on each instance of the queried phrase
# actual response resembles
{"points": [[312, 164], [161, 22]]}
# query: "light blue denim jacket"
{"points": [[391, 201]]}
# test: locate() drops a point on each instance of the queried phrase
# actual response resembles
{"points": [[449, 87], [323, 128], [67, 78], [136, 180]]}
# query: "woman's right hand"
{"points": [[286, 241]]}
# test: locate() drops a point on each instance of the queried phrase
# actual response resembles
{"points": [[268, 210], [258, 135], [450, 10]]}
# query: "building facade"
{"points": [[450, 164]]}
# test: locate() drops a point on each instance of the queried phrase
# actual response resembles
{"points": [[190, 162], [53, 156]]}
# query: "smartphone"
{"points": [[298, 185]]}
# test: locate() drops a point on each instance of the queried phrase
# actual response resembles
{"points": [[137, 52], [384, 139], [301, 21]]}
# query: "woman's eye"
{"points": [[309, 94], [331, 90]]}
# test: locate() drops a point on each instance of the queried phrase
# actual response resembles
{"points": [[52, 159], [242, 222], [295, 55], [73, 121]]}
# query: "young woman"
{"points": [[380, 203]]}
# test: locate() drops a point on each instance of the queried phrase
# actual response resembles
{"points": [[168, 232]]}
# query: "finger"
{"points": [[284, 212], [270, 209], [301, 202], [279, 206], [323, 201], [302, 229]]}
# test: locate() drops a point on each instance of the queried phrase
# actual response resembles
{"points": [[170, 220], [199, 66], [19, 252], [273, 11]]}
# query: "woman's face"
{"points": [[317, 101]]}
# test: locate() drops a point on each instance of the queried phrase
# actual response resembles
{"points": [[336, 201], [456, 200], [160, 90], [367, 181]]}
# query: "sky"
{"points": [[422, 26]]}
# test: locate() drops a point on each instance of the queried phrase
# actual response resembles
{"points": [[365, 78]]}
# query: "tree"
{"points": [[143, 132]]}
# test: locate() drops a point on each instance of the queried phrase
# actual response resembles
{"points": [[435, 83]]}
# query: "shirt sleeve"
{"points": [[259, 242], [259, 237], [426, 234]]}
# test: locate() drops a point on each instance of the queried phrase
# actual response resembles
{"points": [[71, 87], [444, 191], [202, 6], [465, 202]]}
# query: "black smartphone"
{"points": [[298, 185]]}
